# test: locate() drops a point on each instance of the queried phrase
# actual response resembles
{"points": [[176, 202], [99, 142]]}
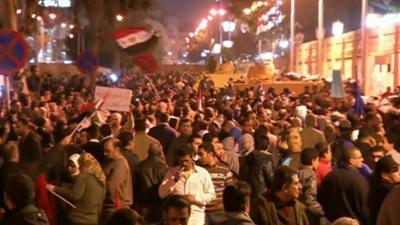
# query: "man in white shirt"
{"points": [[191, 181]]}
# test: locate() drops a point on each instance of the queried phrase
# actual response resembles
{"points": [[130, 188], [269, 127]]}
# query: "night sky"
{"points": [[188, 12]]}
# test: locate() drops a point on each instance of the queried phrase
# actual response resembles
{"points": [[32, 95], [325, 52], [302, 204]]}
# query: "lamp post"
{"points": [[292, 32], [320, 37], [364, 46]]}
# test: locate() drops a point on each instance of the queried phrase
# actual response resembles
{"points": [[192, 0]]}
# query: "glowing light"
{"points": [[247, 11], [119, 17], [216, 49], [18, 11], [52, 16], [260, 3], [63, 25], [209, 18], [187, 40], [71, 36], [229, 26], [213, 12], [169, 53], [39, 18], [203, 54], [33, 15], [71, 26], [227, 44], [284, 44], [191, 34], [337, 28], [221, 12], [203, 24], [253, 7], [267, 56]]}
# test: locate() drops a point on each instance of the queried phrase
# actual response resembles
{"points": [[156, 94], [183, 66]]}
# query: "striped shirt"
{"points": [[221, 177]]}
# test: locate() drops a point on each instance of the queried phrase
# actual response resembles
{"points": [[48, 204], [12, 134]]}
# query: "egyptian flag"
{"points": [[134, 40], [146, 62]]}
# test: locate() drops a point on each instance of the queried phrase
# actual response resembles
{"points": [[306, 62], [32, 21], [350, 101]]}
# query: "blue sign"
{"points": [[13, 51], [87, 62]]}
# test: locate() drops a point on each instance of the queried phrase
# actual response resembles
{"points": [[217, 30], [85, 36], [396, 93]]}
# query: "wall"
{"points": [[344, 53]]}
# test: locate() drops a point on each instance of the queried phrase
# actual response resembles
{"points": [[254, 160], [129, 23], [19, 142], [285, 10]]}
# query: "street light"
{"points": [[213, 12], [337, 28], [247, 11]]}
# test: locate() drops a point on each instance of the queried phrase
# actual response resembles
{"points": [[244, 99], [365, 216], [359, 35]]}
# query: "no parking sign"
{"points": [[87, 62], [13, 51]]}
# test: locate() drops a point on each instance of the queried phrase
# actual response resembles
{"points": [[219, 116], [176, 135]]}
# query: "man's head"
{"points": [[261, 140], [126, 139], [236, 197], [185, 157], [311, 120], [125, 217], [366, 134], [310, 157], [35, 70], [140, 125], [93, 131], [116, 119], [195, 141], [73, 165], [377, 152], [374, 120], [112, 148], [286, 184], [156, 152], [19, 191], [164, 118], [185, 127], [105, 130], [352, 157], [387, 170], [22, 126], [176, 210], [324, 151], [207, 155], [10, 152]]}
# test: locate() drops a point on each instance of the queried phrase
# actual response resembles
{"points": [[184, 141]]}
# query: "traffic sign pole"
{"points": [[7, 91]]}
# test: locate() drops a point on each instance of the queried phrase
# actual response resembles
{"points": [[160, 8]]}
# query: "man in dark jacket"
{"points": [[11, 166], [236, 200], [149, 175], [30, 144], [93, 146], [19, 196], [384, 178], [256, 167], [163, 132], [344, 191], [279, 206]]}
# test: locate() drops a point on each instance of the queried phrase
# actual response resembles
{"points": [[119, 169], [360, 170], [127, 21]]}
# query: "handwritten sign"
{"points": [[115, 99]]}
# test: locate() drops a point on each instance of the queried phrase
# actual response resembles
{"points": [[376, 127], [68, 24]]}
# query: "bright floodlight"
{"points": [[191, 34], [227, 44], [113, 77], [39, 18], [216, 49], [284, 44], [63, 25], [229, 26], [18, 11], [337, 28], [221, 12], [71, 36], [247, 11], [213, 12], [52, 16], [119, 17], [71, 26]]}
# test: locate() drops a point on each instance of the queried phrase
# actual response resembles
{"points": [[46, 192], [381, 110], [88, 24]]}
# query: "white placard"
{"points": [[115, 99]]}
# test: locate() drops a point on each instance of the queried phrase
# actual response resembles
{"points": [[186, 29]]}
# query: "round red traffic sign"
{"points": [[14, 51], [87, 62]]}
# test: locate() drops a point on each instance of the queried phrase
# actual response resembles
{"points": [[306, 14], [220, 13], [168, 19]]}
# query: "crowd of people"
{"points": [[188, 153]]}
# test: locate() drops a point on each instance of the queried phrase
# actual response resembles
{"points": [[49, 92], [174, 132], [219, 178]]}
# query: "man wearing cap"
{"points": [[384, 178], [19, 196]]}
